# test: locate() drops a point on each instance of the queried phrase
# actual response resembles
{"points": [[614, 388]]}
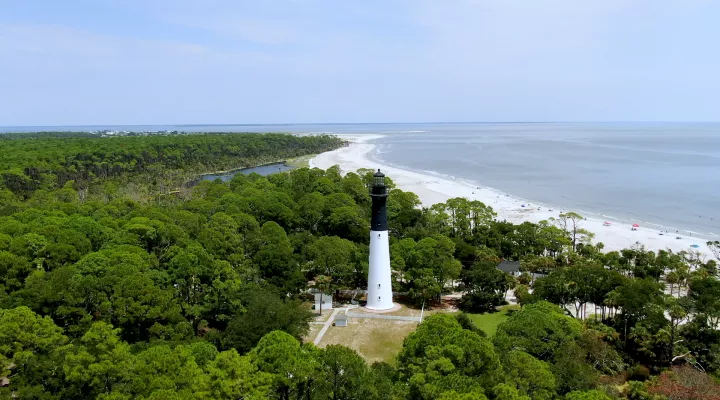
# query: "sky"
{"points": [[96, 62]]}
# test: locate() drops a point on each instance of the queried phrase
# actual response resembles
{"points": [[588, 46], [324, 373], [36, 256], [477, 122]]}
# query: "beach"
{"points": [[433, 189]]}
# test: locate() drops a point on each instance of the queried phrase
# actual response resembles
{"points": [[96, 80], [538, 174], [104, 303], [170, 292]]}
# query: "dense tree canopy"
{"points": [[32, 162], [109, 291]]}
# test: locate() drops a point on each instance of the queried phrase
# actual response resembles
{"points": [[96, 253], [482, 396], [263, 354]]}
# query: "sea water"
{"points": [[661, 175]]}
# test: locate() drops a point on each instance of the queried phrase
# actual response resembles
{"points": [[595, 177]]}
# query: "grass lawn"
{"points": [[489, 322], [312, 333], [381, 339], [374, 339]]}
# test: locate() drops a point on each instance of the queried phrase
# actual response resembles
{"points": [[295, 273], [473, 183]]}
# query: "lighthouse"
{"points": [[379, 292]]}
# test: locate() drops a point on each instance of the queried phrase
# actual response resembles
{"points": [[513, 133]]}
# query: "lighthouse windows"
{"points": [[378, 234], [378, 286], [378, 298]]}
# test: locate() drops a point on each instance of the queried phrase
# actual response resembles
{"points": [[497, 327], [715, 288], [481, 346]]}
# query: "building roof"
{"points": [[509, 266]]}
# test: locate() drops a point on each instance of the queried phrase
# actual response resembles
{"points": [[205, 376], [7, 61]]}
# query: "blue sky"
{"points": [[80, 62]]}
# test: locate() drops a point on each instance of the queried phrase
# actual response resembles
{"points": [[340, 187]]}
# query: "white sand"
{"points": [[432, 190]]}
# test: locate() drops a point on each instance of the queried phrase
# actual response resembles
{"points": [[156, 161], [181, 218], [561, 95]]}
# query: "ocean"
{"points": [[664, 176], [661, 175]]}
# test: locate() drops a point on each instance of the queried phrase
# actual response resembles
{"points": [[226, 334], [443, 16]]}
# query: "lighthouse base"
{"points": [[396, 307]]}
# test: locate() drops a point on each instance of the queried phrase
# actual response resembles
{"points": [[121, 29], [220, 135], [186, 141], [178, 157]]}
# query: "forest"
{"points": [[202, 294], [34, 161]]}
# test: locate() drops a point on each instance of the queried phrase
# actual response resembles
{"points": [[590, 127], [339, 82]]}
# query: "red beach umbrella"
{"points": [[636, 226]]}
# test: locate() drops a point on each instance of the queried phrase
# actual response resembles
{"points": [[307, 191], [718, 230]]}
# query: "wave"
{"points": [[698, 233], [437, 174], [383, 148], [406, 132]]}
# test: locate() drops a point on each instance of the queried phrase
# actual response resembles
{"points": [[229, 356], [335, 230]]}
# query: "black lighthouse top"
{"points": [[379, 194], [378, 185]]}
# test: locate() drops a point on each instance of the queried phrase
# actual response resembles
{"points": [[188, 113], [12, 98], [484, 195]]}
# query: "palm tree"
{"points": [[715, 248], [612, 301], [323, 283], [673, 279], [683, 273]]}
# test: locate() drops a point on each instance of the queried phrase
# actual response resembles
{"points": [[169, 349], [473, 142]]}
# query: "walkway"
{"points": [[380, 316], [325, 327]]}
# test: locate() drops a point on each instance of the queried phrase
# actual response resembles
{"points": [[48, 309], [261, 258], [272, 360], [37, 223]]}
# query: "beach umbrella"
{"points": [[607, 223], [636, 226], [694, 246]]}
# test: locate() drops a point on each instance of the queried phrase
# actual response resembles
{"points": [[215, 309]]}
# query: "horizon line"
{"points": [[354, 123]]}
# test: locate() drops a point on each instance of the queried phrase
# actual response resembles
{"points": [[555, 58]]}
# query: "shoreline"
{"points": [[432, 189]]}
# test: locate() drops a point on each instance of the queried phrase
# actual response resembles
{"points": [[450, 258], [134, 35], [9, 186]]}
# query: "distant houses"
{"points": [[510, 267], [513, 268]]}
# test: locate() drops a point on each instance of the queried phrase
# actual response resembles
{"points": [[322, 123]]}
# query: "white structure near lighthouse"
{"points": [[379, 292]]}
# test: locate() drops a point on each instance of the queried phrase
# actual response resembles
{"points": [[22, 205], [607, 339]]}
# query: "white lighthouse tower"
{"points": [[379, 292]]}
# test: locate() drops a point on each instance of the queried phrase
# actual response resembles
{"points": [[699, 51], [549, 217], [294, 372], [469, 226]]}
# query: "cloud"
{"points": [[60, 49], [316, 60], [59, 44], [65, 75], [265, 32]]}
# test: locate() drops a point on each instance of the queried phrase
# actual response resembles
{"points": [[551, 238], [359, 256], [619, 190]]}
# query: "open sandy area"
{"points": [[433, 189]]}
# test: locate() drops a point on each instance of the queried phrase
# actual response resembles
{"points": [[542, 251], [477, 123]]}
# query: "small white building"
{"points": [[326, 299], [340, 320]]}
